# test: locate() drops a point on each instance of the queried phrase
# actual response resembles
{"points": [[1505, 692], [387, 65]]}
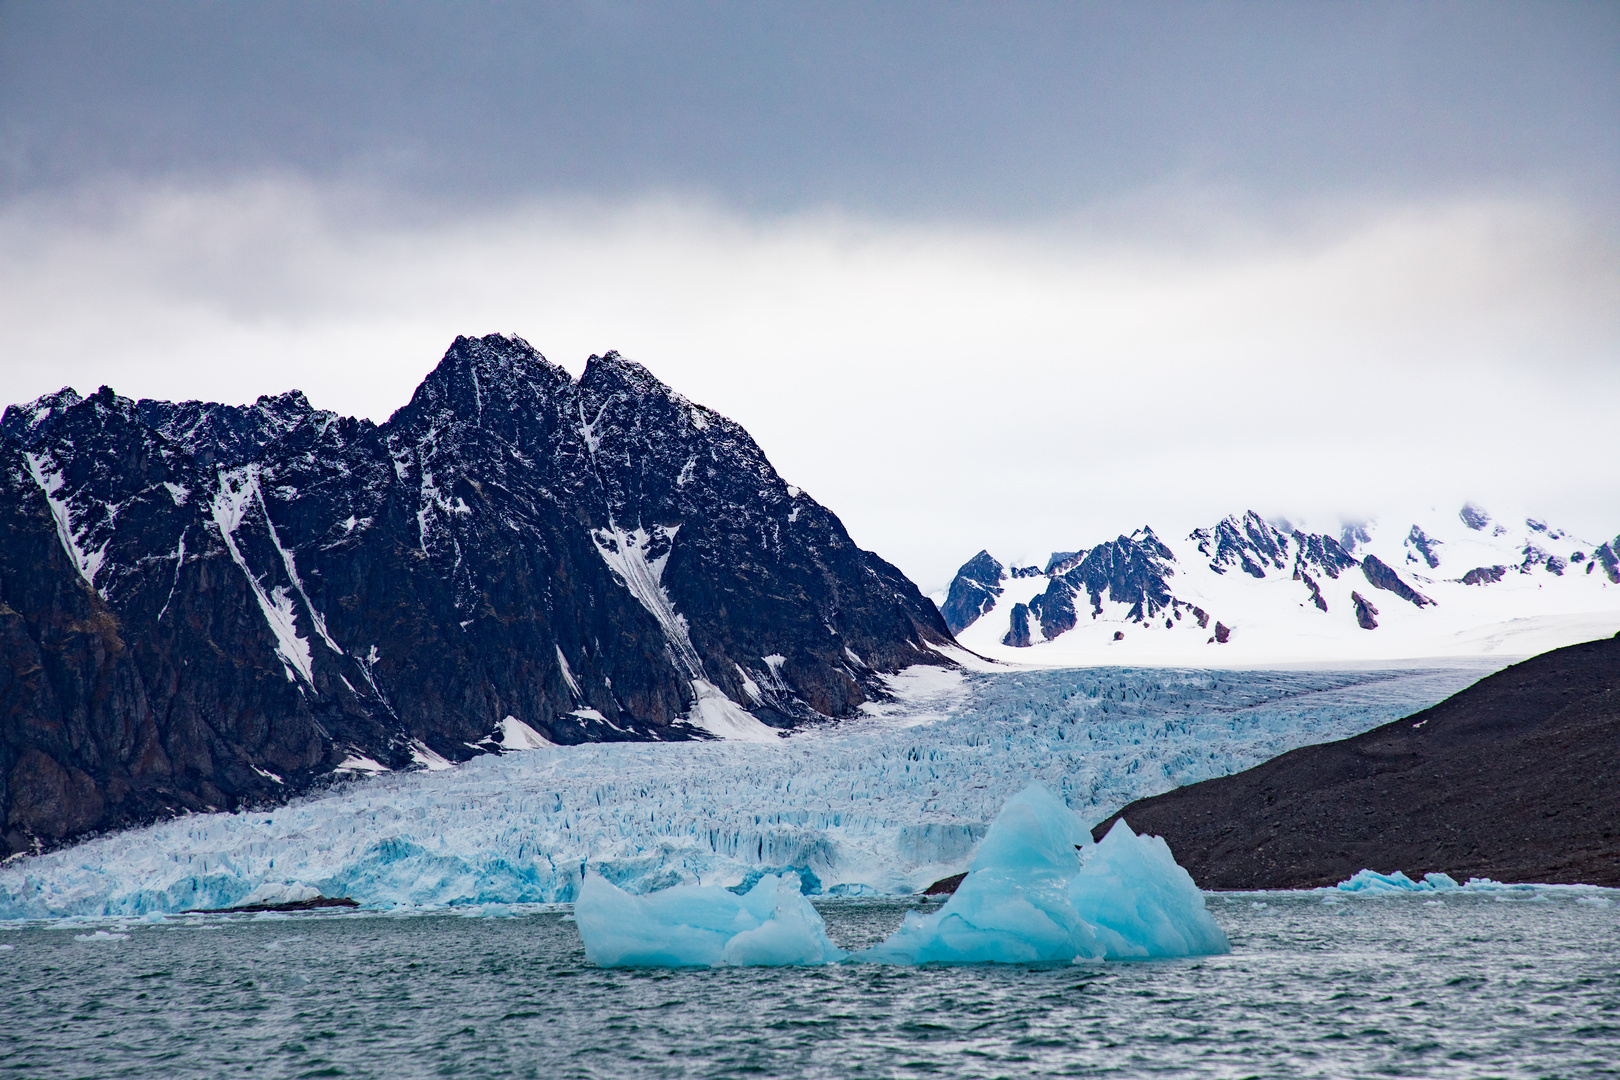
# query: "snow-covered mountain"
{"points": [[205, 606], [1249, 590]]}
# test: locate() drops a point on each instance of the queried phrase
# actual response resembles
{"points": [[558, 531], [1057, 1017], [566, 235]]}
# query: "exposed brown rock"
{"points": [[1516, 778]]}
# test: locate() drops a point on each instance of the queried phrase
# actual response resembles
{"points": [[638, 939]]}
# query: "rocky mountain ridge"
{"points": [[208, 606], [1424, 587]]}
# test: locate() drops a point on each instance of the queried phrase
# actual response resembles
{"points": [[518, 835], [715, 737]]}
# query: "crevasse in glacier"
{"points": [[1040, 891], [771, 925]]}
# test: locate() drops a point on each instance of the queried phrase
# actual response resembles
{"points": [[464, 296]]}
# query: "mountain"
{"points": [[1512, 779], [1251, 590], [211, 606]]}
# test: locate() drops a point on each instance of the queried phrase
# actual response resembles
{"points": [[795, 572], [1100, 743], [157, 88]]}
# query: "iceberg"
{"points": [[1030, 898], [1041, 891], [1142, 902], [771, 925]]}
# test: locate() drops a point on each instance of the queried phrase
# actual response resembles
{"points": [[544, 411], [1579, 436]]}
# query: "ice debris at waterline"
{"points": [[1371, 881], [771, 925], [1039, 891], [1032, 896]]}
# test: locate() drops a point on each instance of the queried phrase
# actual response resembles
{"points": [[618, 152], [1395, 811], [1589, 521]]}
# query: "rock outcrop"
{"points": [[210, 606], [1512, 779]]}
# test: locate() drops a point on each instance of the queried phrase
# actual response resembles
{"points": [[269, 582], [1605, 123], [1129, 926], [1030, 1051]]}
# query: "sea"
{"points": [[1520, 983]]}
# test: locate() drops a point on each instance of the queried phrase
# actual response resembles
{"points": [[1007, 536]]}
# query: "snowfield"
{"points": [[881, 805]]}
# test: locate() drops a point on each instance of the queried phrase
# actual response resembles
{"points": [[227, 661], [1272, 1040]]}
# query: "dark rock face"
{"points": [[1484, 575], [1366, 614], [1380, 576], [1248, 543], [1017, 635], [1474, 517], [1512, 778], [1423, 546], [973, 591], [1323, 553], [1605, 557], [1313, 587], [215, 606]]}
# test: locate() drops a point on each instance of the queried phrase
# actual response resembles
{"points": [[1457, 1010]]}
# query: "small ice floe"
{"points": [[1595, 901], [771, 925], [1371, 881], [101, 935]]}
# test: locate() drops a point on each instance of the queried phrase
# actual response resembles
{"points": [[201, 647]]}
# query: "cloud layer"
{"points": [[941, 387]]}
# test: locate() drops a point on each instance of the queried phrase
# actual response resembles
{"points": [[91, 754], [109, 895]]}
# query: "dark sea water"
{"points": [[1404, 987]]}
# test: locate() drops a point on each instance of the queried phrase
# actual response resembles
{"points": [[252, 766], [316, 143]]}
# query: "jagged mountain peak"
{"points": [[217, 604], [494, 381]]}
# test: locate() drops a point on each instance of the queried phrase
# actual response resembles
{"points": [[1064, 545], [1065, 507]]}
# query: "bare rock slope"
{"points": [[208, 606], [1516, 778]]}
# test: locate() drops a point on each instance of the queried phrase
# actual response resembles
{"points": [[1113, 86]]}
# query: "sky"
{"points": [[1020, 276]]}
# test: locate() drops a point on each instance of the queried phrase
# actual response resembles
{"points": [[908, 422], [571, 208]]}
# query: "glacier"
{"points": [[882, 805]]}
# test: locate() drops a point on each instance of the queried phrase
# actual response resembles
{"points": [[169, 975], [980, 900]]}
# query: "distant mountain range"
{"points": [[1248, 587], [206, 606]]}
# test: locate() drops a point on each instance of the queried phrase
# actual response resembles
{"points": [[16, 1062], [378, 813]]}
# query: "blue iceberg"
{"points": [[1041, 891], [771, 925]]}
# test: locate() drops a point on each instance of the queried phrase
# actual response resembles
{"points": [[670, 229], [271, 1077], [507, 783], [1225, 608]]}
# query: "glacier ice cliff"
{"points": [[883, 805]]}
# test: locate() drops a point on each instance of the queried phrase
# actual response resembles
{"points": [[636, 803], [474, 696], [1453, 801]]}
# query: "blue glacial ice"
{"points": [[771, 925], [1039, 891], [883, 805], [1031, 896], [1372, 883]]}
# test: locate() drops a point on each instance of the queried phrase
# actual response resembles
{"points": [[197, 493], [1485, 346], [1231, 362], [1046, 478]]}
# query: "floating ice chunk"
{"points": [[1141, 901], [1030, 897], [1013, 907], [1371, 881], [772, 925], [281, 892], [101, 935]]}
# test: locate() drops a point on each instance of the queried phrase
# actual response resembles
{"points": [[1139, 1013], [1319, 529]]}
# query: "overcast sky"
{"points": [[1017, 275]]}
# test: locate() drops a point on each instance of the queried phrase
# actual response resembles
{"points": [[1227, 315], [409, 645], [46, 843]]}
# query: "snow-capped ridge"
{"points": [[1246, 586]]}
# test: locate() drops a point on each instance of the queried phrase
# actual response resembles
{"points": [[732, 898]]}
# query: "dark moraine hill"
{"points": [[208, 606], [1516, 778]]}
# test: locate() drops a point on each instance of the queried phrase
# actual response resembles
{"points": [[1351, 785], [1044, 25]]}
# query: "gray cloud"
{"points": [[995, 111], [1016, 274], [939, 386]]}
